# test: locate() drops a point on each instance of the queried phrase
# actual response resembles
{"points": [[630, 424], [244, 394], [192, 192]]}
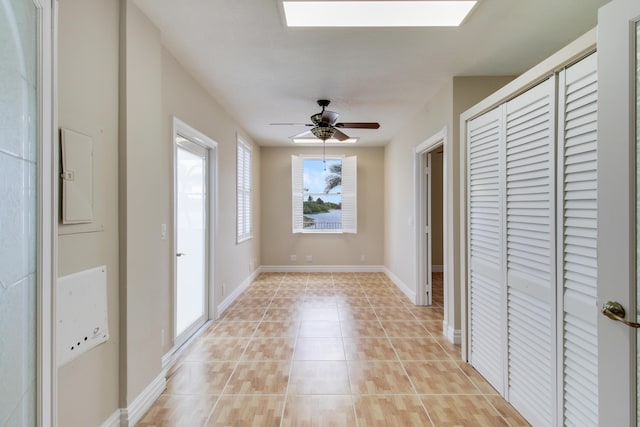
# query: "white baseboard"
{"points": [[410, 293], [236, 292], [170, 357], [113, 420], [322, 269], [453, 335], [131, 415], [437, 268]]}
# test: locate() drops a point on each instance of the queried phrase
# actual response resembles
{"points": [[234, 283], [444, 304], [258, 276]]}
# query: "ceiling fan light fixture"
{"points": [[316, 119], [377, 13], [323, 132]]}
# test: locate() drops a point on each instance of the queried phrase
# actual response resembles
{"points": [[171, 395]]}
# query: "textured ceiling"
{"points": [[263, 72]]}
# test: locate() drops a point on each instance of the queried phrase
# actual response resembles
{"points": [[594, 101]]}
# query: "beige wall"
{"points": [[278, 242], [400, 235], [145, 205], [183, 98], [157, 88], [443, 110], [88, 103], [120, 86]]}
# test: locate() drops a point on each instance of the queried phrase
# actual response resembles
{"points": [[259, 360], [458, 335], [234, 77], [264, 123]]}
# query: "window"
{"points": [[244, 196], [324, 194]]}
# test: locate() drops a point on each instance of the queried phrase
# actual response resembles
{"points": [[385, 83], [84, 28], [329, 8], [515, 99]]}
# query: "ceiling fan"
{"points": [[324, 125]]}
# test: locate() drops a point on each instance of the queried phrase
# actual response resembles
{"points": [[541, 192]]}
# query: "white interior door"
{"points": [[192, 244], [485, 224], [618, 210], [530, 252]]}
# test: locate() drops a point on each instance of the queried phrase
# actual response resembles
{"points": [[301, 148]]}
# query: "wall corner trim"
{"points": [[133, 413], [226, 303], [408, 291], [454, 336], [113, 420]]}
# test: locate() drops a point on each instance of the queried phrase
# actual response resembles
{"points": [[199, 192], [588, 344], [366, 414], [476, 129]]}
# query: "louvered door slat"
{"points": [[578, 164], [485, 247], [530, 267]]}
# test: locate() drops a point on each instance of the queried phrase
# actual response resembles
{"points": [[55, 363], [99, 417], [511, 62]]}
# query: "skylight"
{"points": [[377, 13]]}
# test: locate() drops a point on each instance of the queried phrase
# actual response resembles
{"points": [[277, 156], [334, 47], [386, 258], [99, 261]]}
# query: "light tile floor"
{"points": [[327, 349]]}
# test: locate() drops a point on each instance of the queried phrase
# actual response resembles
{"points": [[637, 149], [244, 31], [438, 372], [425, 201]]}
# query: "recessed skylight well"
{"points": [[376, 13]]}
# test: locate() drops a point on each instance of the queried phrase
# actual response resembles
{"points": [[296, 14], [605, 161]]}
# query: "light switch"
{"points": [[163, 231]]}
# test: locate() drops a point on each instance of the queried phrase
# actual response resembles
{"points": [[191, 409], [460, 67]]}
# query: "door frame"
{"points": [[617, 195], [440, 139], [47, 222], [180, 128]]}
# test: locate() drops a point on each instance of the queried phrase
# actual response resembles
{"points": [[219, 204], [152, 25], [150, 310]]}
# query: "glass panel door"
{"points": [[18, 170], [191, 239]]}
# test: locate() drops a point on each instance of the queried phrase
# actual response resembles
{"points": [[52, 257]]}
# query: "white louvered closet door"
{"points": [[530, 253], [577, 170], [486, 290]]}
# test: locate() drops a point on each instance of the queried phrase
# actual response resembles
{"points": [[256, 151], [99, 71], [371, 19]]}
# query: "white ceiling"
{"points": [[263, 72]]}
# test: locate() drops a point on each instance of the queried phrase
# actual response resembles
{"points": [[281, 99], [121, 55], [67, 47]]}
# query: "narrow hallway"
{"points": [[326, 349]]}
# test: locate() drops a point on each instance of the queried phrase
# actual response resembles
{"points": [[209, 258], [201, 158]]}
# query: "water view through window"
{"points": [[322, 205]]}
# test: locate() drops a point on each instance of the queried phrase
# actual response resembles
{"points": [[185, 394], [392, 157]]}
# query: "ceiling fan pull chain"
{"points": [[324, 157]]}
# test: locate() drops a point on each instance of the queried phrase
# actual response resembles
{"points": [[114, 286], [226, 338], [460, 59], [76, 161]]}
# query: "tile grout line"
{"points": [[346, 364], [404, 369], [294, 318], [237, 363], [293, 354]]}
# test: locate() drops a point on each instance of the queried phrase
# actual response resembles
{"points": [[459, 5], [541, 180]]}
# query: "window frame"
{"points": [[244, 191], [348, 194]]}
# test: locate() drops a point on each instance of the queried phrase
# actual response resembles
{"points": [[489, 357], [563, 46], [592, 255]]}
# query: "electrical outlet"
{"points": [[309, 258], [163, 231], [363, 258], [293, 258]]}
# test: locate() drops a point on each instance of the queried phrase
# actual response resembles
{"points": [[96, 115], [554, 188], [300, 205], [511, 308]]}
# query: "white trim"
{"points": [[454, 336], [171, 357], [442, 139], [323, 269], [437, 268], [133, 413], [226, 303], [113, 420], [574, 51], [47, 205], [407, 290]]}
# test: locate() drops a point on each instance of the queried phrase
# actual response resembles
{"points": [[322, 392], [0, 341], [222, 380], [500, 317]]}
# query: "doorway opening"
{"points": [[431, 211], [194, 185], [435, 209]]}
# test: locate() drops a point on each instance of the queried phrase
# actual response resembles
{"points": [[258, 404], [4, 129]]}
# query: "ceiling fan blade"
{"points": [[301, 134], [290, 124], [358, 125], [329, 117], [339, 135]]}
